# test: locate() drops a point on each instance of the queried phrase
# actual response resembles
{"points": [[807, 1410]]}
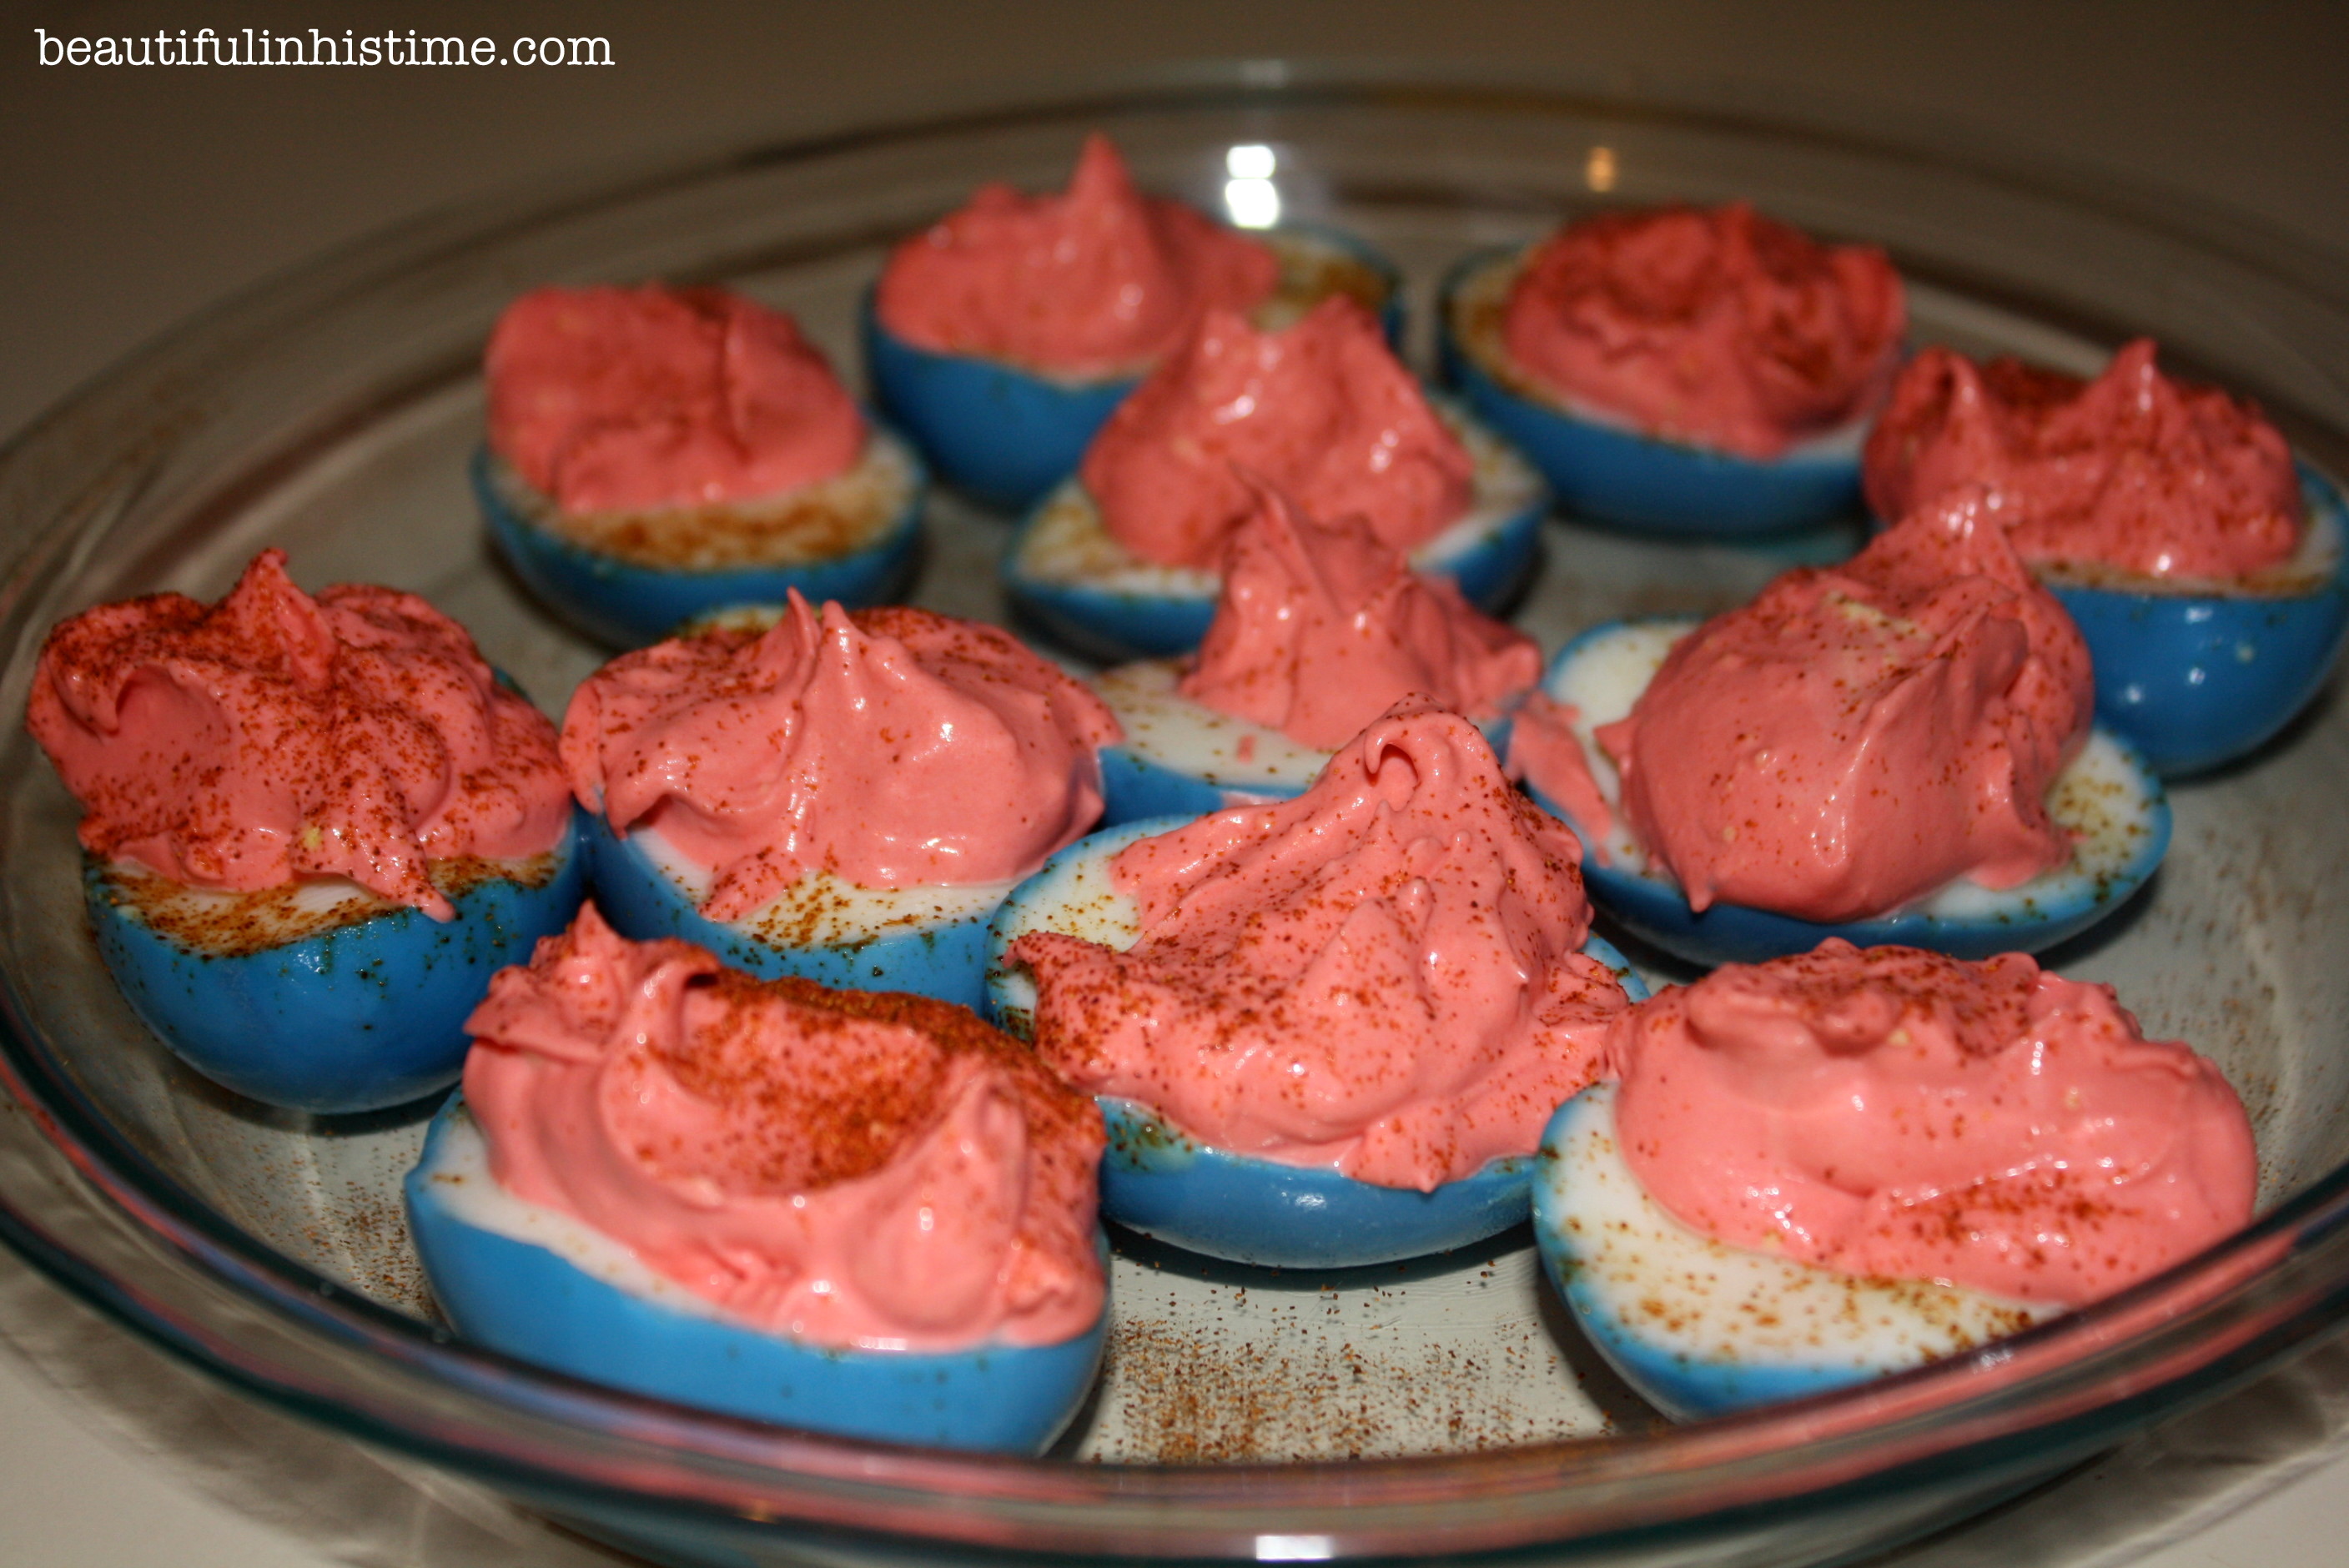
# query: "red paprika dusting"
{"points": [[2132, 469], [275, 736], [1323, 410], [1380, 975], [1895, 1112], [853, 1168]]}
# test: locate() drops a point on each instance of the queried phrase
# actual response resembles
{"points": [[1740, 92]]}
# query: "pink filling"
{"points": [[275, 736], [1379, 974], [1860, 735], [1719, 327], [2132, 470], [1898, 1113], [895, 747], [1321, 628], [611, 400], [853, 1169], [1545, 753], [1323, 410], [1093, 282]]}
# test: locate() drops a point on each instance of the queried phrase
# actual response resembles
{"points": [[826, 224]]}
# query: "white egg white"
{"points": [[1714, 1316], [823, 909]]}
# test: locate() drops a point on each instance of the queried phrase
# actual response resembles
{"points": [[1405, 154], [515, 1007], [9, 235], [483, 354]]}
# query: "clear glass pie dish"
{"points": [[1444, 1406]]}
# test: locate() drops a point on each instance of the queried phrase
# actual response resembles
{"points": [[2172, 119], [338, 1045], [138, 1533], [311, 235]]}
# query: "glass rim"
{"points": [[327, 1352]]}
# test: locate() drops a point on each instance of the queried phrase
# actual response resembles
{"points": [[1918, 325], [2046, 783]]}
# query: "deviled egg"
{"points": [[1844, 1164], [1896, 749], [654, 454], [847, 1211], [1680, 371], [844, 796], [1325, 1031], [314, 827]]}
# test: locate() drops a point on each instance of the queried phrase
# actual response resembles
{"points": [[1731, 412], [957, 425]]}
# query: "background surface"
{"points": [[129, 198]]}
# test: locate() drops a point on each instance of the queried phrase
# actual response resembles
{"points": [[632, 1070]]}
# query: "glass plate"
{"points": [[1443, 1405]]}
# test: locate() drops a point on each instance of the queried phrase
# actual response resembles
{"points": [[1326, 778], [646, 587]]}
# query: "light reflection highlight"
{"points": [[1251, 160], [1253, 203], [1599, 168]]}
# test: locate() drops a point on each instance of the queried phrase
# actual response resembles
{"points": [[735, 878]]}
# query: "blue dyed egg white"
{"points": [[544, 1286], [1180, 757], [929, 940], [2199, 674], [320, 994]]}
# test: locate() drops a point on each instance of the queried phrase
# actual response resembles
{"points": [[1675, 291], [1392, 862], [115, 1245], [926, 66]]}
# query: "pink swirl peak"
{"points": [[1097, 281], [611, 400], [275, 736], [1380, 975], [1323, 410], [1321, 628], [852, 1168], [894, 747]]}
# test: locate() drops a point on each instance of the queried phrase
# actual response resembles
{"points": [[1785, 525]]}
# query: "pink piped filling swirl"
{"points": [[856, 1169], [275, 736], [1096, 282], [1323, 410], [895, 747], [1899, 1113], [619, 399], [1861, 736], [1320, 627], [1719, 327], [2134, 469], [1381, 975]]}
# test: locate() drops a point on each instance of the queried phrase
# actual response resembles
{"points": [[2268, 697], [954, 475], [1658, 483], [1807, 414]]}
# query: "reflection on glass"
{"points": [[1253, 203], [1597, 170], [1250, 160]]}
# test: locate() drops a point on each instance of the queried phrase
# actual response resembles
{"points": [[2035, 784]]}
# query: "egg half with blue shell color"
{"points": [[541, 1286], [2107, 798], [631, 578], [1066, 572], [1603, 467], [318, 995], [1161, 1181], [2199, 673], [1701, 1328], [931, 940], [1006, 433]]}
